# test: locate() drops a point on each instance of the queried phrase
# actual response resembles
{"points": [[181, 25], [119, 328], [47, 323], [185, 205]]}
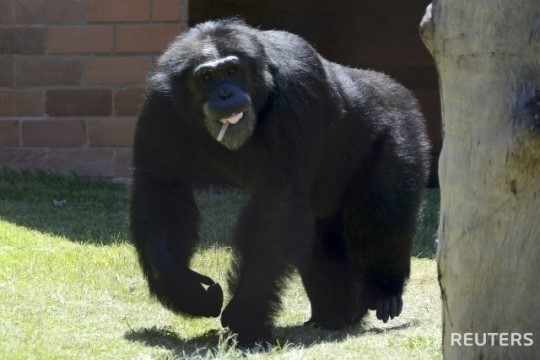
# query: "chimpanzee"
{"points": [[334, 159]]}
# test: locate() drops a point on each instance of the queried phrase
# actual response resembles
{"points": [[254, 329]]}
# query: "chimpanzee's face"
{"points": [[224, 77], [226, 103]]}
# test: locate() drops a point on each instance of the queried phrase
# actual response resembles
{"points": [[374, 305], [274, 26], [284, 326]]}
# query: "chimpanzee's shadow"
{"points": [[296, 335], [169, 340]]}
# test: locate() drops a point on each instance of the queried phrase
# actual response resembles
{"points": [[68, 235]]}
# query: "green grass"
{"points": [[70, 286]]}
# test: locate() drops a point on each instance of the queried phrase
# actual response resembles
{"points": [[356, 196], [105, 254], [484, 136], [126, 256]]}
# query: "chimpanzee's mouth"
{"points": [[233, 119]]}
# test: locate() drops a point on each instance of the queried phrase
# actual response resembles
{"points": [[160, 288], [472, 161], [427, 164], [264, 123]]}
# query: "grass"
{"points": [[70, 286]]}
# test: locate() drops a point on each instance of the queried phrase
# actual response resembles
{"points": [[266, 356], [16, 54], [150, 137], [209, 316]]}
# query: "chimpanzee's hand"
{"points": [[184, 293]]}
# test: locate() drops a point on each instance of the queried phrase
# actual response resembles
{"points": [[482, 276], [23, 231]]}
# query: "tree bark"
{"points": [[488, 58]]}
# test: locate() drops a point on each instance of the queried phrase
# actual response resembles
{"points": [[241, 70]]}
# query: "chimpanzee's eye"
{"points": [[232, 70], [206, 76]]}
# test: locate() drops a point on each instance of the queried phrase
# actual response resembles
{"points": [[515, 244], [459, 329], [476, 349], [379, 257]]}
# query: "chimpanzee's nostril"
{"points": [[224, 93]]}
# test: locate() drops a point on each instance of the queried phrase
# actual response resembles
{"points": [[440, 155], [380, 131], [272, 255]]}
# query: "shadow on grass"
{"points": [[95, 211], [171, 341], [78, 209], [303, 336]]}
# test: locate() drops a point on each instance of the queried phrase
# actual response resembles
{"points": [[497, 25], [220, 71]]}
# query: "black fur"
{"points": [[335, 159]]}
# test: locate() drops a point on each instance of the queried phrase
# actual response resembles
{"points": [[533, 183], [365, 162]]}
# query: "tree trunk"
{"points": [[488, 57]]}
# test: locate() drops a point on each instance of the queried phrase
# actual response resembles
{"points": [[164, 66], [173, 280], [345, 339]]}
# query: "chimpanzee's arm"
{"points": [[164, 217]]}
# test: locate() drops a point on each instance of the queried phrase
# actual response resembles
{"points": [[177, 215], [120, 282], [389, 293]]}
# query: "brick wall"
{"points": [[72, 76], [72, 72]]}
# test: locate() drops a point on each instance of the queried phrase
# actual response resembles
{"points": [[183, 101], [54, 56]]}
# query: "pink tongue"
{"points": [[230, 120]]}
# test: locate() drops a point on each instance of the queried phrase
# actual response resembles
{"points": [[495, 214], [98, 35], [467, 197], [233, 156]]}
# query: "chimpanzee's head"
{"points": [[224, 74]]}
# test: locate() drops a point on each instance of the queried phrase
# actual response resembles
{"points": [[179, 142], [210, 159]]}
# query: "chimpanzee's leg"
{"points": [[331, 282], [380, 216], [271, 230]]}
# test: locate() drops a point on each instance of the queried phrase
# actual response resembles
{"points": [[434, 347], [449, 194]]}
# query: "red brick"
{"points": [[21, 102], [9, 133], [83, 162], [165, 10], [30, 11], [80, 102], [48, 11], [128, 101], [6, 12], [116, 70], [123, 162], [64, 11], [111, 132], [144, 38], [81, 39], [19, 159], [48, 71], [117, 10], [53, 133], [6, 71], [22, 40]]}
